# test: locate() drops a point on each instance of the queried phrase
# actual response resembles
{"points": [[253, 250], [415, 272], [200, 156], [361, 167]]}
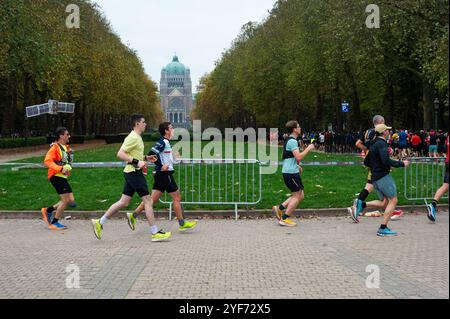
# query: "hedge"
{"points": [[22, 142]]}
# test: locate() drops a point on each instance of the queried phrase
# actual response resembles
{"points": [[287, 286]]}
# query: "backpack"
{"points": [[287, 154]]}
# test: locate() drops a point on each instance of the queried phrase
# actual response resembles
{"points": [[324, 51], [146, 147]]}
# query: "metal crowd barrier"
{"points": [[217, 182], [201, 181], [424, 177]]}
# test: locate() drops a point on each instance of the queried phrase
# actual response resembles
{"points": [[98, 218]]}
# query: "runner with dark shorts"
{"points": [[59, 161], [291, 175], [161, 154], [132, 152]]}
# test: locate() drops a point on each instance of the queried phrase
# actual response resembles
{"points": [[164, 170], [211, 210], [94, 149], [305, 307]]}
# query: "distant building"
{"points": [[176, 93]]}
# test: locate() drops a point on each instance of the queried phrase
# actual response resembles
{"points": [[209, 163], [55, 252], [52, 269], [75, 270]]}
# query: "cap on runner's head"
{"points": [[380, 128]]}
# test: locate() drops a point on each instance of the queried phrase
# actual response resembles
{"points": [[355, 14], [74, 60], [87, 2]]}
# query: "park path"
{"points": [[14, 154], [251, 259]]}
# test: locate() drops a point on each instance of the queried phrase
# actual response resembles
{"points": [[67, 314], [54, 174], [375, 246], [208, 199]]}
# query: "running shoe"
{"points": [[287, 222], [277, 212], [131, 221], [47, 217], [386, 232], [396, 214], [431, 213], [160, 236], [352, 211], [359, 207], [187, 226], [97, 228], [57, 226]]}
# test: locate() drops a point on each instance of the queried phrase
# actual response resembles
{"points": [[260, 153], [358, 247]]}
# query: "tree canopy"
{"points": [[41, 59], [307, 57]]}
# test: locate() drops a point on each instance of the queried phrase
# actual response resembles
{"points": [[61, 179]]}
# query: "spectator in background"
{"points": [[328, 141], [394, 143], [432, 144], [403, 143], [424, 149], [349, 142], [322, 141], [441, 143], [416, 143]]}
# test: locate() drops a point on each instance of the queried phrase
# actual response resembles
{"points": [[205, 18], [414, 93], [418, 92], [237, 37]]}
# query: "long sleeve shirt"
{"points": [[380, 162]]}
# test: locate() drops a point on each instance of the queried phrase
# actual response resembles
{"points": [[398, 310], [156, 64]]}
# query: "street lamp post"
{"points": [[436, 111]]}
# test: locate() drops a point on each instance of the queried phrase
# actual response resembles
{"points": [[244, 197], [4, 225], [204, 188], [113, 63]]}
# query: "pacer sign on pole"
{"points": [[51, 107]]}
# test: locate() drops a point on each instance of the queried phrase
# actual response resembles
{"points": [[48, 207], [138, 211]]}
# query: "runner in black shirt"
{"points": [[380, 165]]}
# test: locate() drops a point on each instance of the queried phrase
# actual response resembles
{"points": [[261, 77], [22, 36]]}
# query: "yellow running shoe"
{"points": [[97, 228], [278, 213], [187, 226], [131, 221], [287, 222], [160, 236]]}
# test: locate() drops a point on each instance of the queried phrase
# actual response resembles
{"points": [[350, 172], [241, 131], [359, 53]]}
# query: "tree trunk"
{"points": [[318, 119], [337, 108], [26, 99], [427, 105], [388, 101], [355, 114], [9, 114]]}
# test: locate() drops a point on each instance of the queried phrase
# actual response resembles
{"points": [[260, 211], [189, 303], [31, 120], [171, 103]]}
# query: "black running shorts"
{"points": [[164, 182], [61, 185], [293, 182], [135, 182]]}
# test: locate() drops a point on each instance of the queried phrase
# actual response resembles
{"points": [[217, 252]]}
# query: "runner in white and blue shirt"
{"points": [[161, 154], [163, 151]]}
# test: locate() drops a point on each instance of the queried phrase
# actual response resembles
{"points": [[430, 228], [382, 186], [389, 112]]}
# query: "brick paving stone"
{"points": [[322, 258]]}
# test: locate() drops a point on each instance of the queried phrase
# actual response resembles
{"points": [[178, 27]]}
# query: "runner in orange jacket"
{"points": [[59, 161]]}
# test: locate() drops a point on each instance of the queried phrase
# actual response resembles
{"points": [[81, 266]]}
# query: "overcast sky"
{"points": [[198, 31]]}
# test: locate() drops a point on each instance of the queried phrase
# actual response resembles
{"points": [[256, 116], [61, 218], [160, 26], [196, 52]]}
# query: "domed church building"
{"points": [[176, 93]]}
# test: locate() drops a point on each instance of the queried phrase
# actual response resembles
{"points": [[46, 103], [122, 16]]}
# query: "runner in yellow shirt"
{"points": [[132, 152]]}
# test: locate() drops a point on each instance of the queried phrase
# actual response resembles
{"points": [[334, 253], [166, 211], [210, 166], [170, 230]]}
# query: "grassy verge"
{"points": [[97, 189], [107, 153]]}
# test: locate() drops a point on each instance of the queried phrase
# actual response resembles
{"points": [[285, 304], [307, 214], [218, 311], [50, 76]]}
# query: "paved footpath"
{"points": [[322, 258], [15, 154]]}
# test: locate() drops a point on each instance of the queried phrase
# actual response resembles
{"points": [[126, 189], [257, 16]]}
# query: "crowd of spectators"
{"points": [[404, 143], [422, 143]]}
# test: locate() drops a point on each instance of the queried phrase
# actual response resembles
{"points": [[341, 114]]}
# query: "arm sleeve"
{"points": [[386, 160], [157, 148]]}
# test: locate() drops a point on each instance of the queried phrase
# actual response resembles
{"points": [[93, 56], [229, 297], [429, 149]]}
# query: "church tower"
{"points": [[176, 93]]}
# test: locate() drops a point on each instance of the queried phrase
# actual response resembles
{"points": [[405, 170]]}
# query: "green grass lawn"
{"points": [[97, 189], [107, 153]]}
